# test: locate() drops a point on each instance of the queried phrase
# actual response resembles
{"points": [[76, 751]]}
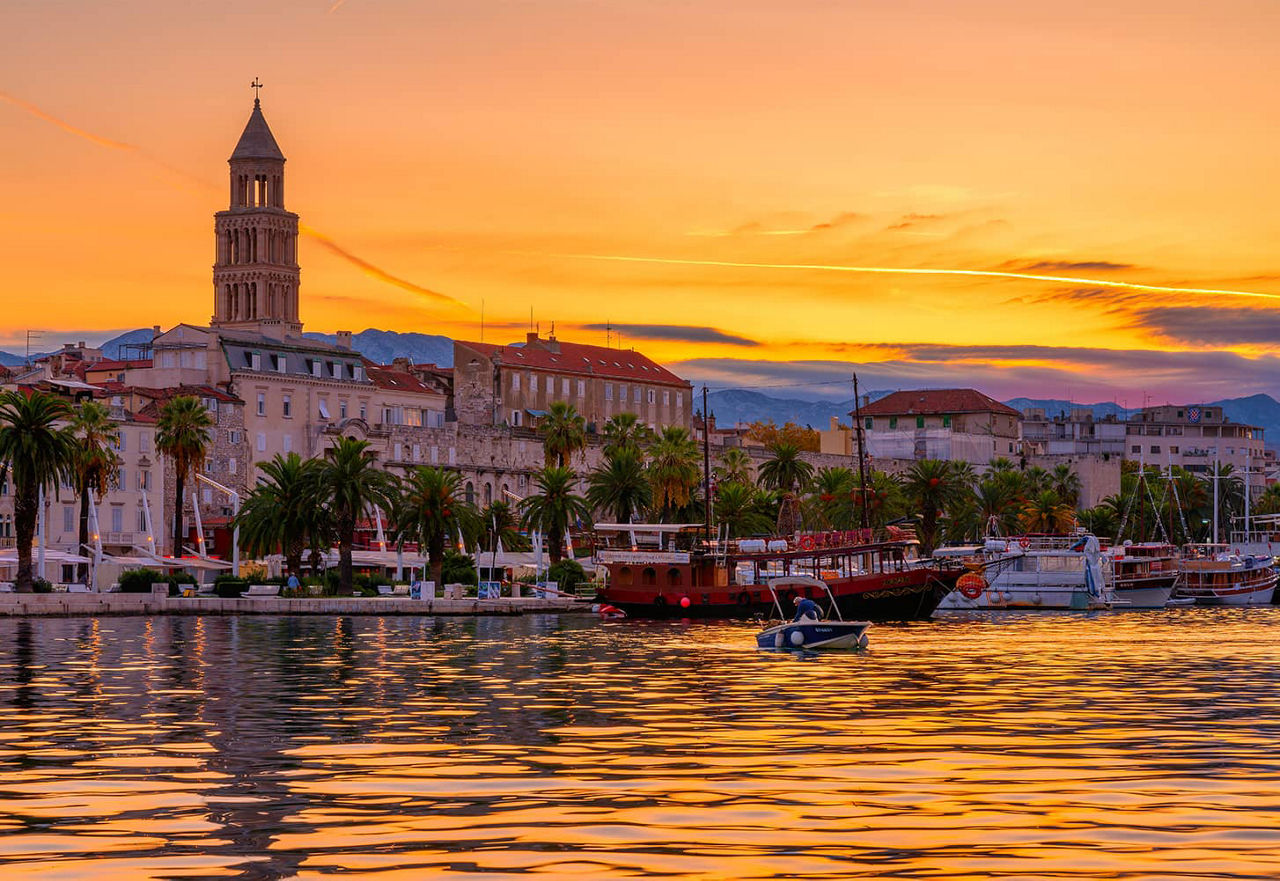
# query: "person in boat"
{"points": [[806, 610]]}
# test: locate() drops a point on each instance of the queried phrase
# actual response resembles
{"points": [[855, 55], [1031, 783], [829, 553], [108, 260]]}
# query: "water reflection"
{"points": [[1130, 746]]}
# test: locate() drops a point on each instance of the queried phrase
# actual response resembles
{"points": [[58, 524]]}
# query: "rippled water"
{"points": [[1133, 745]]}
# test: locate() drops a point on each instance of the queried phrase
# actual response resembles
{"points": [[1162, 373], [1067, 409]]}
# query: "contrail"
{"points": [[335, 6], [898, 270], [329, 244]]}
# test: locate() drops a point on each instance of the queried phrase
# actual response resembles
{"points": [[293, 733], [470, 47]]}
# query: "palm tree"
{"points": [[785, 470], [931, 489], [1100, 520], [997, 498], [499, 523], [1048, 513], [96, 464], [554, 509], [430, 510], [564, 432], [1035, 480], [1066, 483], [38, 454], [884, 499], [280, 512], [182, 434], [1268, 501], [620, 487], [1000, 463], [834, 502], [349, 485], [741, 507], [674, 470], [626, 432], [736, 466]]}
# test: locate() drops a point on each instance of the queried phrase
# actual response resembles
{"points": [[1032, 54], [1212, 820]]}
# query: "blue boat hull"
{"points": [[815, 635]]}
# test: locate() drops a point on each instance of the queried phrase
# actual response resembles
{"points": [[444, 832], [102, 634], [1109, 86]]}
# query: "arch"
{"points": [[625, 576], [649, 576], [673, 577], [471, 493], [488, 494]]}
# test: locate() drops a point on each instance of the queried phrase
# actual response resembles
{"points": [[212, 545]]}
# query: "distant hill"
{"points": [[110, 349], [382, 346], [1054, 406], [732, 406]]}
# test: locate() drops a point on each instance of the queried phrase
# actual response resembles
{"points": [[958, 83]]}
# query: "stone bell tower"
{"points": [[255, 278]]}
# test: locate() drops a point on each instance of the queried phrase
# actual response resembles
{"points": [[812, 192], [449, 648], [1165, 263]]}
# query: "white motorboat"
{"points": [[811, 633], [1035, 572]]}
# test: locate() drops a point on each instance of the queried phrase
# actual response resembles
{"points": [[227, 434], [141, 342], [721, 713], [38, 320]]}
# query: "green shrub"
{"points": [[140, 580], [229, 586], [567, 573], [42, 585], [459, 569]]}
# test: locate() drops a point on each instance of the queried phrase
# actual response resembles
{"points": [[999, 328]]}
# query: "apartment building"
{"points": [[961, 424], [1195, 436]]}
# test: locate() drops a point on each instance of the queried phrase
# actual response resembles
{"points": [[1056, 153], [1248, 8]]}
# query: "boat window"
{"points": [[649, 576], [673, 577], [624, 575]]}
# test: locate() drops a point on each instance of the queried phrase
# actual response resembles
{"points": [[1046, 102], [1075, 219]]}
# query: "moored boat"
{"points": [[812, 633], [1215, 575], [667, 570], [1033, 572], [1143, 575]]}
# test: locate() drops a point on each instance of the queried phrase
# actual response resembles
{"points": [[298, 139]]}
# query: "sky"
{"points": [[745, 190]]}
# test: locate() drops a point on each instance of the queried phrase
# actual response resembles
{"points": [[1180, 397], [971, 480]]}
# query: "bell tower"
{"points": [[256, 275]]}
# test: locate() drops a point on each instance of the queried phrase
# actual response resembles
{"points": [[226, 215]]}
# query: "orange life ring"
{"points": [[807, 543], [1025, 542], [971, 585]]}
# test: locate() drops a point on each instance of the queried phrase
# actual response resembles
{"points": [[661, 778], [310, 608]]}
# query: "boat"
{"points": [[1217, 575], [809, 633], [1143, 575], [1037, 571], [672, 570]]}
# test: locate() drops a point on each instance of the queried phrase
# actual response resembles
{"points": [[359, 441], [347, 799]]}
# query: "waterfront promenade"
{"points": [[84, 604]]}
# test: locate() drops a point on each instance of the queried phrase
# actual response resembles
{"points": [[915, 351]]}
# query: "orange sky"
{"points": [[481, 149]]}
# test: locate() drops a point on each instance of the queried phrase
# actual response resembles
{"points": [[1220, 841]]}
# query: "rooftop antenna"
{"points": [[36, 334], [482, 319], [608, 332]]}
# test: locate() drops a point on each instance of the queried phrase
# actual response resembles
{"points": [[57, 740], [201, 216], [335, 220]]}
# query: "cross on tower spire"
{"points": [[256, 85]]}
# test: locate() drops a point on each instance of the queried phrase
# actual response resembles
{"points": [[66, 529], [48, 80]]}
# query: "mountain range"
{"points": [[729, 406]]}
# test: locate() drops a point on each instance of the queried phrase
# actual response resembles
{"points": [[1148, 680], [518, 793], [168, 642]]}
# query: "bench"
{"points": [[262, 590], [400, 590]]}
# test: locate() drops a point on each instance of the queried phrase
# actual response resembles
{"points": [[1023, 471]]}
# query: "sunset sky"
{"points": [[699, 173]]}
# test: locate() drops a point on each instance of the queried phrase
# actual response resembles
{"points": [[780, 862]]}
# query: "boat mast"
{"points": [[706, 467], [862, 474]]}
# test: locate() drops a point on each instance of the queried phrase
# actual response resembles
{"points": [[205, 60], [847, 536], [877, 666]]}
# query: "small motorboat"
{"points": [[808, 633]]}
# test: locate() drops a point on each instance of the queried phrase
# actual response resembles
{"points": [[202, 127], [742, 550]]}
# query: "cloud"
{"points": [[675, 333], [758, 228], [1214, 326], [1069, 266], [909, 220]]}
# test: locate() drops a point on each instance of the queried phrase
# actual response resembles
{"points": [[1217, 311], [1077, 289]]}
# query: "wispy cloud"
{"points": [[335, 6], [1068, 266], [329, 244], [675, 333], [759, 228], [1212, 325]]}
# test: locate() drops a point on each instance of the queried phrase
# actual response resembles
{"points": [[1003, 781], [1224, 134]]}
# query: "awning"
{"points": [[10, 557], [536, 414]]}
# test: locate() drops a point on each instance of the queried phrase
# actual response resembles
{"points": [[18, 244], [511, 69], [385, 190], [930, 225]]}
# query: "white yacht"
{"points": [[1034, 572]]}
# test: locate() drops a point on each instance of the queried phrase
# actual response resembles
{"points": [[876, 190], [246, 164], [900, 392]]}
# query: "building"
{"points": [[514, 385], [961, 424], [1194, 436], [1077, 433]]}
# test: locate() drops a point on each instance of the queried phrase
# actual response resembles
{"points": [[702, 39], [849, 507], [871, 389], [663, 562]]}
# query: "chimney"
{"points": [[531, 338], [403, 364], [155, 331], [344, 340]]}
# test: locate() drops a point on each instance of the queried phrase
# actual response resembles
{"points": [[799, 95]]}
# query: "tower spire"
{"points": [[255, 85]]}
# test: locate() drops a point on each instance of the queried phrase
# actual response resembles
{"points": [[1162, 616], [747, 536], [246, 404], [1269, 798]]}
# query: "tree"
{"points": [[281, 511], [1035, 480], [1100, 520], [626, 432], [1268, 501], [736, 466], [499, 523], [563, 432], [554, 509], [1000, 463], [785, 470], [349, 485], [182, 434], [96, 465], [741, 507], [38, 454], [834, 499], [930, 488], [768, 433], [619, 486], [429, 510], [1064, 481], [997, 500], [674, 470], [1046, 512]]}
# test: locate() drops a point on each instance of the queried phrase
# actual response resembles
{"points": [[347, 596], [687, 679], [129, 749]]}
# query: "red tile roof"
{"points": [[398, 380], [117, 365], [925, 402], [577, 358]]}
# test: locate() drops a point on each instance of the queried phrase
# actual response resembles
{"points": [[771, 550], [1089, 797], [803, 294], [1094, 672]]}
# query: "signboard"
{"points": [[641, 557]]}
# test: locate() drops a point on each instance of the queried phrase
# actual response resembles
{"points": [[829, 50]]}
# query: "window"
{"points": [[206, 496], [117, 518], [893, 421], [166, 359], [121, 441], [533, 382], [144, 442], [286, 406], [946, 421], [679, 400], [231, 465], [635, 394], [364, 410], [919, 422], [234, 436], [435, 455], [323, 407], [121, 480], [582, 388], [453, 455], [608, 391], [1155, 448], [666, 398], [288, 443], [515, 382], [316, 368], [653, 396], [515, 418], [282, 363], [208, 466], [142, 521], [262, 404], [867, 423], [255, 360], [262, 442], [334, 369], [417, 452], [564, 385], [397, 452], [1173, 450], [342, 409], [68, 518], [1136, 448], [144, 479]]}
